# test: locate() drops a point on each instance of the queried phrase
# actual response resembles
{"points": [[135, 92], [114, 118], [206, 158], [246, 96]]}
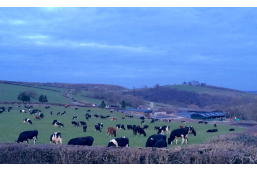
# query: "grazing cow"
{"points": [[111, 111], [156, 127], [123, 118], [129, 127], [215, 125], [183, 121], [231, 129], [139, 130], [9, 108], [1, 111], [74, 123], [54, 121], [96, 116], [108, 116], [37, 117], [181, 127], [130, 116], [133, 127], [152, 121], [181, 133], [63, 113], [55, 138], [164, 129], [87, 118], [98, 128], [157, 120], [27, 121], [119, 126], [41, 115], [24, 136], [200, 122], [58, 113], [127, 115], [142, 122], [145, 127], [88, 141], [23, 111], [119, 142], [111, 131], [88, 110], [206, 123], [212, 130], [84, 128], [153, 139], [82, 123], [102, 117], [74, 117], [142, 118], [33, 112], [101, 125], [18, 106], [58, 124], [51, 113], [76, 108], [113, 118]]}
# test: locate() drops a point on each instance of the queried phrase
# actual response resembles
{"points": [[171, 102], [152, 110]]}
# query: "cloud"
{"points": [[35, 37], [16, 22]]}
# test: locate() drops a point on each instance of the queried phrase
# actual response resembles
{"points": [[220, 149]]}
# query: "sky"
{"points": [[130, 47]]}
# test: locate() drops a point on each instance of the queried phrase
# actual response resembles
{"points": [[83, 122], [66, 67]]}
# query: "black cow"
{"points": [[96, 116], [212, 130], [108, 116], [139, 130], [85, 128], [74, 117], [142, 122], [181, 133], [28, 121], [98, 128], [55, 138], [130, 116], [82, 123], [215, 125], [41, 115], [24, 136], [164, 129], [88, 141], [119, 142], [58, 113], [145, 127], [59, 124], [87, 118], [200, 122], [1, 111], [88, 110], [231, 129], [133, 127], [63, 113], [51, 113], [205, 122], [102, 117], [74, 123], [153, 139], [152, 121], [160, 144], [76, 108], [119, 126], [129, 127], [157, 120], [156, 127], [142, 118], [183, 121]]}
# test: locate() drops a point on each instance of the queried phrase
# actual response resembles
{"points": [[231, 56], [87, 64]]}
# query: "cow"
{"points": [[119, 142], [111, 131], [206, 123], [82, 123], [101, 125], [51, 113], [18, 106], [183, 121], [102, 117], [165, 120], [111, 111], [129, 127], [37, 117], [145, 127], [119, 126], [142, 118], [123, 118], [88, 141], [24, 136], [142, 122], [200, 122], [87, 118], [58, 113], [152, 121], [27, 121], [41, 115], [108, 116], [96, 116], [76, 108], [113, 118], [33, 111], [74, 123], [88, 110], [181, 133], [156, 127], [139, 130], [98, 128], [84, 128], [231, 129], [157, 120], [1, 111], [133, 127], [215, 125], [164, 129], [58, 124], [152, 141], [55, 138], [130, 116], [74, 117], [63, 113], [54, 122], [23, 111], [127, 116], [212, 130]]}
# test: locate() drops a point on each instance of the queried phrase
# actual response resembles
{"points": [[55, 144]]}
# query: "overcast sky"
{"points": [[130, 47]]}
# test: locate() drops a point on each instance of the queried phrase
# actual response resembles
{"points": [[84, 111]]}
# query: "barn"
{"points": [[138, 111], [208, 115]]}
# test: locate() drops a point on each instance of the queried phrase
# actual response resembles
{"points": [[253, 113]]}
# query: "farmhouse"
{"points": [[208, 115]]}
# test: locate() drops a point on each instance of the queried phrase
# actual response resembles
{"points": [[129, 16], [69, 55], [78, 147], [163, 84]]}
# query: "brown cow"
{"points": [[37, 117], [123, 118], [111, 131], [113, 118]]}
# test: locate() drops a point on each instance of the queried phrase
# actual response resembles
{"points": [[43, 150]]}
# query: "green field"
{"points": [[12, 125]]}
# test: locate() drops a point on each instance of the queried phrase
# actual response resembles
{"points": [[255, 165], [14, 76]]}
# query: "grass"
{"points": [[12, 125]]}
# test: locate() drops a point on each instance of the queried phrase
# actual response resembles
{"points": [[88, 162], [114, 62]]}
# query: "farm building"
{"points": [[138, 111], [208, 115]]}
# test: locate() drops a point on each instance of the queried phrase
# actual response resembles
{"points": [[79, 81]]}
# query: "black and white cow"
{"points": [[120, 126], [212, 130], [164, 129], [157, 120], [133, 127], [84, 128], [87, 118], [183, 121], [101, 125], [156, 128], [129, 127], [82, 123], [156, 140], [63, 113], [98, 128], [23, 111], [58, 124], [55, 138], [181, 133], [74, 123], [96, 116], [74, 117], [27, 121], [231, 129], [41, 115], [139, 130], [142, 118], [119, 142], [88, 141], [142, 122], [58, 113], [152, 121], [24, 136], [200, 122], [54, 122], [102, 117], [145, 127]]}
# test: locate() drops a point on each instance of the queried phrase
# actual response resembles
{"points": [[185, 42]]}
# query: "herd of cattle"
{"points": [[155, 140]]}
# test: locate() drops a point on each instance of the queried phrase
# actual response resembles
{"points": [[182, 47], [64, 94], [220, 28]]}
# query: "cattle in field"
{"points": [[58, 113], [152, 121], [41, 115], [27, 121], [101, 125], [181, 133], [129, 127], [164, 129], [156, 127], [113, 118], [84, 128], [145, 127], [153, 139], [9, 109], [87, 141], [56, 138], [74, 123], [200, 122], [74, 117], [37, 117], [58, 124], [96, 116], [27, 135], [215, 125], [51, 113], [206, 123], [231, 129], [82, 123], [23, 111], [111, 131], [183, 121], [119, 126], [142, 122], [212, 130], [119, 142], [123, 118], [98, 128], [139, 130]]}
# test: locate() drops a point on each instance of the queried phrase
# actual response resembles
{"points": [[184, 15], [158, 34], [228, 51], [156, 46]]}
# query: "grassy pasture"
{"points": [[12, 125]]}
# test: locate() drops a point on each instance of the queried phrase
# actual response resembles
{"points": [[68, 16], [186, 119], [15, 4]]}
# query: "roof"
{"points": [[209, 114], [139, 110]]}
